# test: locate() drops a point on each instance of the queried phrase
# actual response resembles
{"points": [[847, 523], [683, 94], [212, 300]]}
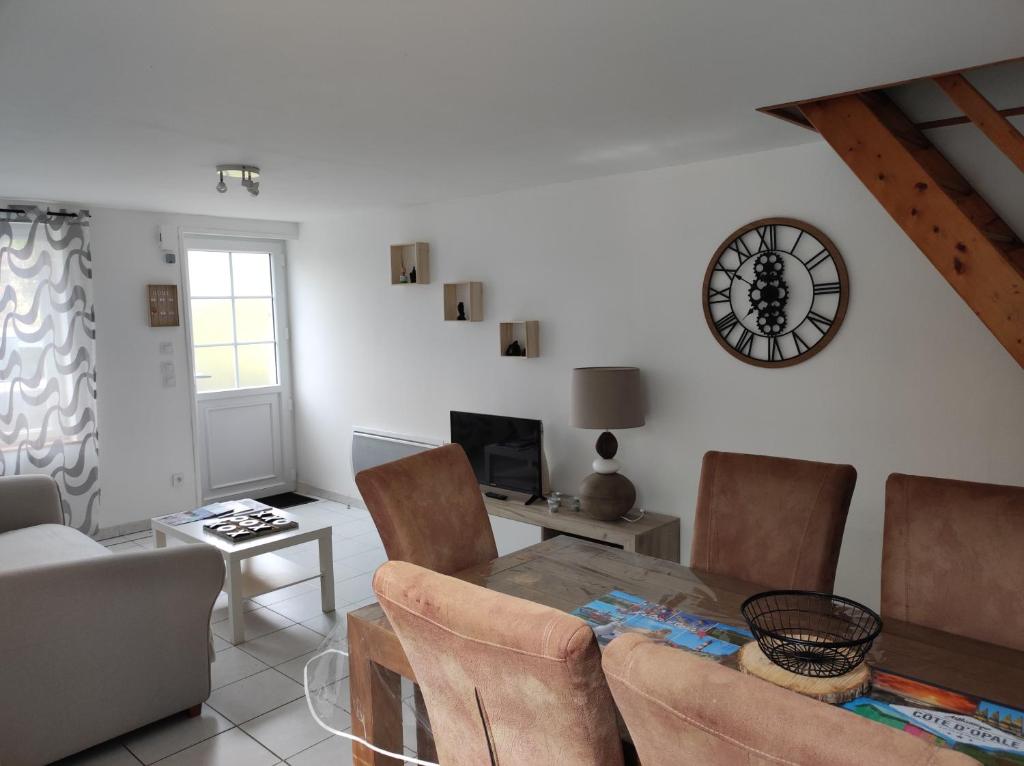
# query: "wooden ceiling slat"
{"points": [[999, 130]]}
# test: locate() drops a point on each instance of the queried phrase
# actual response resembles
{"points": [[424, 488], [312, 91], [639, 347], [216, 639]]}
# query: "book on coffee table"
{"points": [[242, 527]]}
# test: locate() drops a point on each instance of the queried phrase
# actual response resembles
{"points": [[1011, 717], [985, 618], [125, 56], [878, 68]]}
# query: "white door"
{"points": [[239, 335]]}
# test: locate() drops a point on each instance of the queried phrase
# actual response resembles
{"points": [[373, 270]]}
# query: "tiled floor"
{"points": [[257, 713]]}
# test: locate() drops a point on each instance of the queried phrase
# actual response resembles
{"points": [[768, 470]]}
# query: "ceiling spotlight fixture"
{"points": [[248, 174]]}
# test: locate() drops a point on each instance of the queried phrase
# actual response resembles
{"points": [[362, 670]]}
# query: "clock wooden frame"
{"points": [[844, 294]]}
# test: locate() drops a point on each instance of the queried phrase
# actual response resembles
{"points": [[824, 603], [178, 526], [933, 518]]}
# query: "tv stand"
{"points": [[654, 535], [533, 499]]}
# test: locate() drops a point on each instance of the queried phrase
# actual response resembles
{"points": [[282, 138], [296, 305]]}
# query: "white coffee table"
{"points": [[252, 569]]}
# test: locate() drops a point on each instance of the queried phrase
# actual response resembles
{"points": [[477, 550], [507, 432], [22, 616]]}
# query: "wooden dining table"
{"points": [[567, 573]]}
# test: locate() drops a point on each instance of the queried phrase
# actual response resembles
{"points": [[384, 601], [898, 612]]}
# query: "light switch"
{"points": [[167, 348], [167, 373]]}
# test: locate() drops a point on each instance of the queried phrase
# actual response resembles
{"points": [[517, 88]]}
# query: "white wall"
{"points": [[145, 429], [612, 268]]}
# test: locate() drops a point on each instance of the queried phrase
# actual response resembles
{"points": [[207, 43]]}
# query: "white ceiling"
{"points": [[362, 103]]}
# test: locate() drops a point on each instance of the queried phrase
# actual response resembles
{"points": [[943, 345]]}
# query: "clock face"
{"points": [[775, 292]]}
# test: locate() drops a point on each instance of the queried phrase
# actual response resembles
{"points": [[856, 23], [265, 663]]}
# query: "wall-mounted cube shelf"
{"points": [[526, 333], [412, 260], [470, 295]]}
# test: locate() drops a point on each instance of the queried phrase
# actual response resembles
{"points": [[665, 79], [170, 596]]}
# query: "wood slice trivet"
{"points": [[835, 691]]}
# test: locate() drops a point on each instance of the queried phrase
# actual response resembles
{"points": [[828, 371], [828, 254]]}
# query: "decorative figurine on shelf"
{"points": [[403, 278], [514, 349], [462, 311], [412, 275]]}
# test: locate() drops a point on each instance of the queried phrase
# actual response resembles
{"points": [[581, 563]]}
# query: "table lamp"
{"points": [[607, 398]]}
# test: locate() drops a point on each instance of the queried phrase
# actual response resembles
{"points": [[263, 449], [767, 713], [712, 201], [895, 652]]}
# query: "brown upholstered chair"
{"points": [[772, 521], [429, 511], [682, 709], [951, 557], [506, 681]]}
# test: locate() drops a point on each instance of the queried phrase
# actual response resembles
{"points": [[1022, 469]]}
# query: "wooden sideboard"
{"points": [[654, 535]]}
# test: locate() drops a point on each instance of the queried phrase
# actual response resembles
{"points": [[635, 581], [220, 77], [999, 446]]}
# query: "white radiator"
{"points": [[372, 448]]}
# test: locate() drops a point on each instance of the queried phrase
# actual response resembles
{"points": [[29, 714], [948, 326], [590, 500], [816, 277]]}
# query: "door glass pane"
{"points": [[251, 273], [211, 321], [209, 273], [257, 365], [254, 319], [215, 368]]}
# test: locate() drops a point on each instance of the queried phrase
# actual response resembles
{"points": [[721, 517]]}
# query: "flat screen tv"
{"points": [[505, 453]]}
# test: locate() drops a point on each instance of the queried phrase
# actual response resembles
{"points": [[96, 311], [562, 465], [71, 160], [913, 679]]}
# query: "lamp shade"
{"points": [[607, 398]]}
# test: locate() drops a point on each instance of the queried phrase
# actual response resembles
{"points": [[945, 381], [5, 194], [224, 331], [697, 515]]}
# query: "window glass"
{"points": [[254, 319], [251, 273], [257, 365], [215, 368], [209, 274], [211, 321]]}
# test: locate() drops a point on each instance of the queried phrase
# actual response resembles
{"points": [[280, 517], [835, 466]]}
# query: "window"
{"points": [[233, 331]]}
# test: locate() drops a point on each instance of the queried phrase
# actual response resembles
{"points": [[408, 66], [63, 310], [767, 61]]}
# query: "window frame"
{"points": [[199, 246]]}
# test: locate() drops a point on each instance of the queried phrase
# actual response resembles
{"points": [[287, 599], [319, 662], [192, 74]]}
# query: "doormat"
{"points": [[286, 500]]}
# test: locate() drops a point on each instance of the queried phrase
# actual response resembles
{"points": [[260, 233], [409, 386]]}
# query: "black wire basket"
{"points": [[811, 634]]}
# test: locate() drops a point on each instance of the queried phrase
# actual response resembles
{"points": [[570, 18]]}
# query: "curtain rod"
{"points": [[55, 213]]}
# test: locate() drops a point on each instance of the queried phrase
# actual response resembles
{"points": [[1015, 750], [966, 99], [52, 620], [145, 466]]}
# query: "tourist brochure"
{"points": [[992, 734], [617, 612], [213, 511]]}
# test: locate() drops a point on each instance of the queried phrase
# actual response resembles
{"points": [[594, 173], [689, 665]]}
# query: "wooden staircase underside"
{"points": [[946, 217]]}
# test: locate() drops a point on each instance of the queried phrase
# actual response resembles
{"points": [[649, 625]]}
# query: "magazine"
{"points": [[617, 612], [214, 511], [211, 511], [992, 734]]}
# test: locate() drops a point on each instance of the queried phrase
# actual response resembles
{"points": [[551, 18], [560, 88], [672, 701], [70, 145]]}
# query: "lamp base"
{"points": [[607, 496]]}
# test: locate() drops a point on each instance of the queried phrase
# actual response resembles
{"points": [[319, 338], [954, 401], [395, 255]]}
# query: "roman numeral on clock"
{"points": [[766, 235], [726, 323], [801, 344], [745, 342], [728, 272], [817, 259], [718, 296], [797, 243], [827, 288], [739, 246], [824, 324], [774, 352]]}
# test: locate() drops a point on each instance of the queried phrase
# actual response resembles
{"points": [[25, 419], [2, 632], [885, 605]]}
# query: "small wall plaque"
{"points": [[163, 306]]}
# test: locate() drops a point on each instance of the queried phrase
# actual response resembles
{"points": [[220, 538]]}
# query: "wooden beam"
{"points": [[790, 115], [1000, 131], [946, 122], [947, 228], [940, 169]]}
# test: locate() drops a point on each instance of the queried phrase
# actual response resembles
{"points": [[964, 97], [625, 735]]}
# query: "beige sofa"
{"points": [[93, 644]]}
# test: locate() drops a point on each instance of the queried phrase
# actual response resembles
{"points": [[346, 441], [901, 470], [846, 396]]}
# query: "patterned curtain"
{"points": [[47, 356]]}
